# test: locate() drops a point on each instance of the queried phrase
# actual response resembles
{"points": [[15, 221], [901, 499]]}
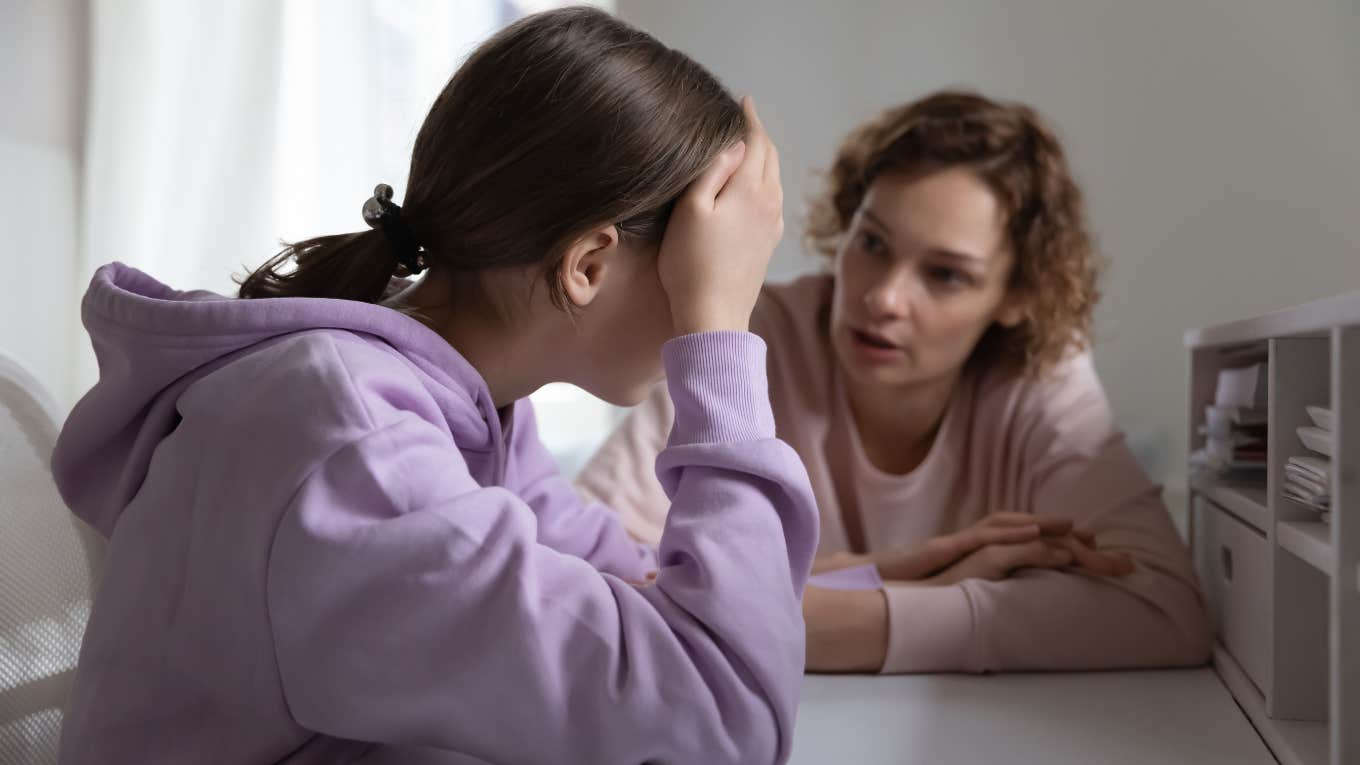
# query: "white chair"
{"points": [[49, 564]]}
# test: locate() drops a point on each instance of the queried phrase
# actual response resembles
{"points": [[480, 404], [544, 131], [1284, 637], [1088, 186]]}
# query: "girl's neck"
{"points": [[898, 425], [513, 355]]}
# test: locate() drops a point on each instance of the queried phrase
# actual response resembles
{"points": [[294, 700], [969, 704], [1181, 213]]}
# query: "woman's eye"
{"points": [[950, 277], [871, 243]]}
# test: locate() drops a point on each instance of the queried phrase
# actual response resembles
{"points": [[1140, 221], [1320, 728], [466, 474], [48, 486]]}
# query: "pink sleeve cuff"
{"points": [[930, 629]]}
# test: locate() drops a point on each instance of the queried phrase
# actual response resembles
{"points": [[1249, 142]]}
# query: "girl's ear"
{"points": [[582, 269]]}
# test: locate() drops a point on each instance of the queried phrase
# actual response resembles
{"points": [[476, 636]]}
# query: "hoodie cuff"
{"points": [[864, 577], [930, 629], [718, 385]]}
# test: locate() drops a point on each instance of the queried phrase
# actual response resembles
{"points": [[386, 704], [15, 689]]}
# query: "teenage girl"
{"points": [[333, 531]]}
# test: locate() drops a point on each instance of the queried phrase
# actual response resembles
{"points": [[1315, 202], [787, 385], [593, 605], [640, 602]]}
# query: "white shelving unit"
{"points": [[1283, 588]]}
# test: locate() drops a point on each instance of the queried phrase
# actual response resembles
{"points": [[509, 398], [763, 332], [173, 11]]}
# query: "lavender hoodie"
{"points": [[327, 545]]}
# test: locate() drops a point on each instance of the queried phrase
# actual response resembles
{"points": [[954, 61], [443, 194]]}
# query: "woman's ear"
{"points": [[583, 267], [1012, 311]]}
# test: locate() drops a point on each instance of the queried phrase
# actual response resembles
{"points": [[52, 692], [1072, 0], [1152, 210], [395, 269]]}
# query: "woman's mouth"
{"points": [[875, 347]]}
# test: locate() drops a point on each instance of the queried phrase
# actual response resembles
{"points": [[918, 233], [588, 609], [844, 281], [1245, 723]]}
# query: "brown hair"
{"points": [[1011, 149], [563, 121]]}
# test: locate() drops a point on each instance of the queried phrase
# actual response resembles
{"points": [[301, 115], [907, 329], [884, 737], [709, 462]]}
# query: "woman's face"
{"points": [[921, 275]]}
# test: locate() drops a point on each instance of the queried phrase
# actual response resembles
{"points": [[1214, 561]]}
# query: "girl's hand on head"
{"points": [[722, 234]]}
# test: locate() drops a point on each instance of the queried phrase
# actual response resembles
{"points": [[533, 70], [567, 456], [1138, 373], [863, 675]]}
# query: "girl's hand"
{"points": [[722, 234]]}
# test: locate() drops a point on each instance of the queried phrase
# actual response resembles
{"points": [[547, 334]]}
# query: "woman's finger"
{"points": [[1095, 561], [992, 535], [974, 538], [1036, 554], [707, 186], [1049, 525]]}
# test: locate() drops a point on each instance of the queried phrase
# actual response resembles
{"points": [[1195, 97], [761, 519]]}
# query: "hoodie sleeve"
{"points": [[1075, 464], [567, 524], [410, 605]]}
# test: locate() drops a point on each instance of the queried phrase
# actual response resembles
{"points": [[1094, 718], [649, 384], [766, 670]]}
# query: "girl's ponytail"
{"points": [[355, 266]]}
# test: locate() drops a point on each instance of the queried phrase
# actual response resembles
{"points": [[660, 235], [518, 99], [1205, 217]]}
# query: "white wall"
{"points": [[1218, 142], [42, 76]]}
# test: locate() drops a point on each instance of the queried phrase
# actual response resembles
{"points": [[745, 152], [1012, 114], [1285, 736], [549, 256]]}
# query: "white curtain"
{"points": [[215, 130]]}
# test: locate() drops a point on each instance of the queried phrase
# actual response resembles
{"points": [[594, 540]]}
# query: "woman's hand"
{"points": [[943, 551], [1012, 534], [1055, 548], [722, 234], [847, 630], [998, 561]]}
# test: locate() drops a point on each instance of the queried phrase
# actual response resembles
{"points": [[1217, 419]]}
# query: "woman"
{"points": [[333, 532], [937, 384]]}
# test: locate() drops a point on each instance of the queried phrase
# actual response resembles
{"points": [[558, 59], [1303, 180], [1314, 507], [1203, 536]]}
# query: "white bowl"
{"points": [[1322, 417], [1316, 439]]}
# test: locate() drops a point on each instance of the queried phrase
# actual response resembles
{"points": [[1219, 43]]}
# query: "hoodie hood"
{"points": [[152, 342]]}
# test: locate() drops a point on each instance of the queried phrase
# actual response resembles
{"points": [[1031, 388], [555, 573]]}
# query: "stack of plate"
{"points": [[1308, 479]]}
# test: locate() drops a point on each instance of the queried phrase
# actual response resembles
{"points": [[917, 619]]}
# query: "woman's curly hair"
{"points": [[1012, 150]]}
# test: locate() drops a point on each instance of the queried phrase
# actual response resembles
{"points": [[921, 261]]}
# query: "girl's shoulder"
{"points": [[335, 384]]}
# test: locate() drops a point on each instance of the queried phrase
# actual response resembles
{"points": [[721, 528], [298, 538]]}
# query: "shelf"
{"points": [[1315, 317], [1292, 742], [1244, 500], [1310, 540]]}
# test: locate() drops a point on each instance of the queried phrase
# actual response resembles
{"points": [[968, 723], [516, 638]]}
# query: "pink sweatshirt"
{"points": [[1047, 446]]}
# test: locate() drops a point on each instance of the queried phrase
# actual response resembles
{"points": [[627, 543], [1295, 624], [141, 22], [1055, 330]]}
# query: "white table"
{"points": [[1111, 718]]}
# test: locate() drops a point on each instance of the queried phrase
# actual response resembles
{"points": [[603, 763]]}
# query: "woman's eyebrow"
{"points": [[943, 252], [877, 221], [959, 256]]}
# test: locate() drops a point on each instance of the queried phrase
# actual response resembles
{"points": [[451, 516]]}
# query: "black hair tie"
{"points": [[381, 213]]}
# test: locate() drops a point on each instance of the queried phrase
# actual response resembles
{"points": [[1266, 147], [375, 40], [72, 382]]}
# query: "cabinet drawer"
{"points": [[1232, 560]]}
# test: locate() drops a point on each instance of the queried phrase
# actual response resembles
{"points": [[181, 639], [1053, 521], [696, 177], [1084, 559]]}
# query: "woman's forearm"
{"points": [[847, 630], [1045, 620]]}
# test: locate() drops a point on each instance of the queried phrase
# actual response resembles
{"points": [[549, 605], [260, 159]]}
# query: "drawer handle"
{"points": [[1227, 563]]}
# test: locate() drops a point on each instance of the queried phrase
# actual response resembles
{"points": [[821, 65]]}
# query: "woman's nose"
{"points": [[890, 298]]}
